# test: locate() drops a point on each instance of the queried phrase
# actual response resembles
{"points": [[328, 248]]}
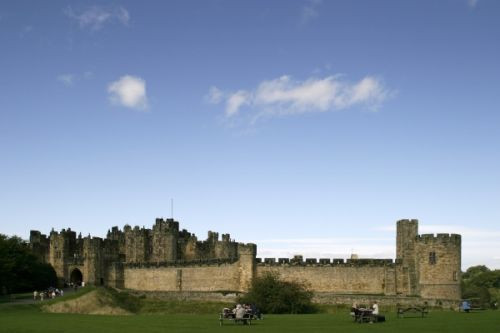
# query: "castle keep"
{"points": [[167, 259]]}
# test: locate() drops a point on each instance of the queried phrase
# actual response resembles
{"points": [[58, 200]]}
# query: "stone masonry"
{"points": [[166, 259]]}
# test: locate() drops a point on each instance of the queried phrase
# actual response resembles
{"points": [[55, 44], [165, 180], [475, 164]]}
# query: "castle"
{"points": [[166, 259]]}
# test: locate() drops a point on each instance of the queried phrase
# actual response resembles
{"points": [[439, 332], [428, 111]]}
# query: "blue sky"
{"points": [[304, 126]]}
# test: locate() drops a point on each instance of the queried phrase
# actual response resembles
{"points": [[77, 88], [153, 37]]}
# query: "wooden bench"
{"points": [[414, 311]]}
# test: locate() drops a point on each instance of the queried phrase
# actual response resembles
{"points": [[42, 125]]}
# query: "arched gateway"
{"points": [[76, 277]]}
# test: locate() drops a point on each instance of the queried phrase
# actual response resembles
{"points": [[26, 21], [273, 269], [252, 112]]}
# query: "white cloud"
{"points": [[309, 11], [214, 95], [96, 17], [236, 101], [472, 3], [129, 91], [284, 95], [69, 79], [66, 79]]}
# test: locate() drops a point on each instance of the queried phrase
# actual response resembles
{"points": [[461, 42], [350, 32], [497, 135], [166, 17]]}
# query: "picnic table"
{"points": [[228, 315], [413, 311], [362, 315]]}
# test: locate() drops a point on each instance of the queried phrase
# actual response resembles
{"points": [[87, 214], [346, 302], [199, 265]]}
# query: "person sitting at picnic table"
{"points": [[375, 313], [354, 309], [240, 313], [255, 311], [465, 306], [375, 308]]}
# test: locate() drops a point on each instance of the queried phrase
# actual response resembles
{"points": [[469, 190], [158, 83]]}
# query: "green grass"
{"points": [[13, 297], [28, 318], [152, 306]]}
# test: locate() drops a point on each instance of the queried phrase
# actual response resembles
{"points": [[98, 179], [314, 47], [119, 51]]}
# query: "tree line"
{"points": [[20, 269]]}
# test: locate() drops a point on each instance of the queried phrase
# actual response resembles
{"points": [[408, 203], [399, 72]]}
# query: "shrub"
{"points": [[272, 295]]}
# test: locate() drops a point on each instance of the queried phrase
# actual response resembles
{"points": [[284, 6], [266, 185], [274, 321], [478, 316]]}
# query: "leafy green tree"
{"points": [[272, 295], [474, 271], [20, 270], [482, 285]]}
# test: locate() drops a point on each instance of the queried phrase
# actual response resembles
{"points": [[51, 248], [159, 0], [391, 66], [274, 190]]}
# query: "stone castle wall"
{"points": [[191, 278], [339, 278], [166, 259]]}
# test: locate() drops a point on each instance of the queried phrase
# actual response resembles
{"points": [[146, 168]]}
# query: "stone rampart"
{"points": [[190, 277], [344, 278]]}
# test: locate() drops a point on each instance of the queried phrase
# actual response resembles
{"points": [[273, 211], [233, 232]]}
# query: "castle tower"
{"points": [[136, 244], [92, 253], [439, 265], [406, 237], [246, 264], [164, 242], [61, 248]]}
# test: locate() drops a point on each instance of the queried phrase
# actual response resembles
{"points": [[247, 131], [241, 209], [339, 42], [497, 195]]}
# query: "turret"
{"points": [[406, 236], [136, 244], [247, 264], [164, 241]]}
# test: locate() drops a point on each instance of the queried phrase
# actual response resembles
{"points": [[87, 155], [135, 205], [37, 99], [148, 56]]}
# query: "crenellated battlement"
{"points": [[452, 239], [323, 262], [183, 263], [407, 221], [248, 249], [167, 225]]}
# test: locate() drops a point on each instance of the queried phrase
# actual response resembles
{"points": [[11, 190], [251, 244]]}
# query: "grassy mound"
{"points": [[92, 301], [108, 301]]}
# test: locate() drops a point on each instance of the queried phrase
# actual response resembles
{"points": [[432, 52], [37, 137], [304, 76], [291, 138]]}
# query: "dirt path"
{"points": [[67, 291]]}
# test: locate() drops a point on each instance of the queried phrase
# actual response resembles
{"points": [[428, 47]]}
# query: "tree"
{"points": [[482, 284], [20, 270], [474, 271], [273, 295]]}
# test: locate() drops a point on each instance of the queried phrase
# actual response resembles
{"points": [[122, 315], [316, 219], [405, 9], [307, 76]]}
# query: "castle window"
{"points": [[455, 276], [432, 258]]}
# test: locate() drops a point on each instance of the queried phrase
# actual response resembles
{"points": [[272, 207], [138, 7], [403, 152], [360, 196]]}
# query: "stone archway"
{"points": [[76, 277]]}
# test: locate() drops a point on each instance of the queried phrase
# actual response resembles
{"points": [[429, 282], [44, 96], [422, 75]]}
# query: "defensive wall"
{"points": [[165, 259]]}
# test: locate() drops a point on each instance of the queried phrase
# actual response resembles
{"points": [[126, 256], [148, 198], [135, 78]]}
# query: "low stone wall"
{"points": [[385, 301], [319, 298]]}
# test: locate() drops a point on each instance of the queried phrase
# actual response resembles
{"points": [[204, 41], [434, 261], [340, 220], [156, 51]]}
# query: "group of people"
{"points": [[242, 312], [372, 313], [46, 294]]}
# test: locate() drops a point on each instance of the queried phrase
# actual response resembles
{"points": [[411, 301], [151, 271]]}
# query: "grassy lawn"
{"points": [[28, 318], [13, 297]]}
